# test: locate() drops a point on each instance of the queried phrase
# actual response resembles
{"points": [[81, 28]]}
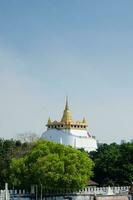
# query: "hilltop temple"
{"points": [[68, 132]]}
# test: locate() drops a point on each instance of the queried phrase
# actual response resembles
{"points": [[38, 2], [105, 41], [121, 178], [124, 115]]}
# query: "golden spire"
{"points": [[84, 121], [67, 116], [66, 107], [49, 121]]}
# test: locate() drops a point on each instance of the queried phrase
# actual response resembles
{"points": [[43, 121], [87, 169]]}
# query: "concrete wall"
{"points": [[119, 197], [88, 197], [70, 197]]}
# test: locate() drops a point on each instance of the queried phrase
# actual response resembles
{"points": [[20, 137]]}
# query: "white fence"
{"points": [[4, 194], [104, 190], [89, 191]]}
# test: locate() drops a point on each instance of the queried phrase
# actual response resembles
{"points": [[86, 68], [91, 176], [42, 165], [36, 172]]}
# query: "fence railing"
{"points": [[91, 190], [87, 190]]}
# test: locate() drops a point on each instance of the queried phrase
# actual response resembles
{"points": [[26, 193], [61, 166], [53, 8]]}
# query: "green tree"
{"points": [[10, 149], [113, 164], [52, 165], [6, 152], [126, 163]]}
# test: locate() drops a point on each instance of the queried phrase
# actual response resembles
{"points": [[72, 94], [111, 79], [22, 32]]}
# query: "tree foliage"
{"points": [[52, 165], [10, 149], [58, 166], [113, 164]]}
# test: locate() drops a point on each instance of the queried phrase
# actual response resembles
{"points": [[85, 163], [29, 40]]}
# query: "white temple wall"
{"points": [[88, 143], [78, 132]]}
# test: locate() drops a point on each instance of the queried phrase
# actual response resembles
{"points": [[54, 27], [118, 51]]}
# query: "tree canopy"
{"points": [[52, 165], [113, 164], [10, 149], [59, 166]]}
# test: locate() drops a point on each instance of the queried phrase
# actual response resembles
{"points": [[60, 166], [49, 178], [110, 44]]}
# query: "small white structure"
{"points": [[69, 132]]}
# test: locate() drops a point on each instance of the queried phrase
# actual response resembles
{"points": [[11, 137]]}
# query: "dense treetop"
{"points": [[59, 166], [8, 150], [52, 165], [113, 164]]}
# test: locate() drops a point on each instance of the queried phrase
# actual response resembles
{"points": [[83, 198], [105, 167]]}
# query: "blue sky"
{"points": [[53, 48]]}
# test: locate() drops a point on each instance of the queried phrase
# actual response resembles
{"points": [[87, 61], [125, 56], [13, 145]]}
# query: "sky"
{"points": [[80, 48]]}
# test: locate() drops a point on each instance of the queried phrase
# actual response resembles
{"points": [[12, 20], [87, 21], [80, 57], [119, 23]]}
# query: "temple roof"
{"points": [[67, 119]]}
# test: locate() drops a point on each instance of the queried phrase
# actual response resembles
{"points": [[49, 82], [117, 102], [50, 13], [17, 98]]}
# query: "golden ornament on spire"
{"points": [[49, 121], [66, 106], [84, 121], [67, 116]]}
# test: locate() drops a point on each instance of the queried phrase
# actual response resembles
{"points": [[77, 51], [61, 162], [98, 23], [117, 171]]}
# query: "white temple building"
{"points": [[71, 133]]}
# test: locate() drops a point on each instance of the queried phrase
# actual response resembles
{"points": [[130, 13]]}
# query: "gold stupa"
{"points": [[67, 121]]}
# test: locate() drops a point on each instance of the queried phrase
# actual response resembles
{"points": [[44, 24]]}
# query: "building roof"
{"points": [[92, 183], [66, 120]]}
